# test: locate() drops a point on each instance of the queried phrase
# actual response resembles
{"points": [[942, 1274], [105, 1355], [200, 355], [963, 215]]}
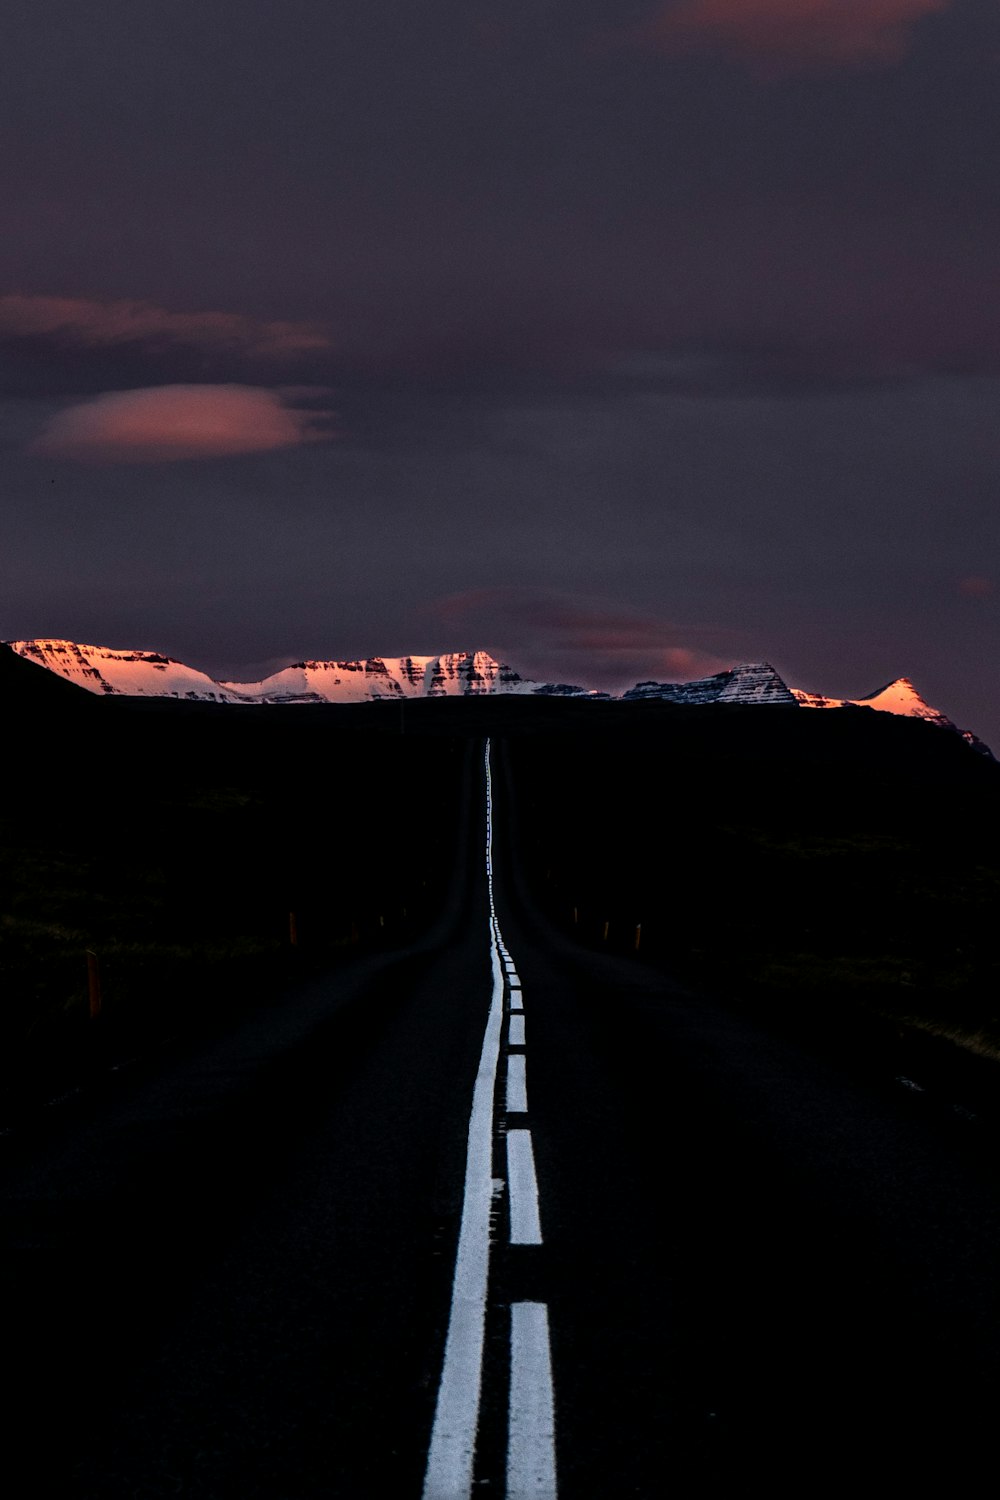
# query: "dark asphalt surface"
{"points": [[228, 1273]]}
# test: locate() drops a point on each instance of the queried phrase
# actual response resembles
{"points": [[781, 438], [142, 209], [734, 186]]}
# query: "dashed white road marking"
{"points": [[517, 1084], [531, 1465], [456, 1418], [531, 1456], [522, 1185]]}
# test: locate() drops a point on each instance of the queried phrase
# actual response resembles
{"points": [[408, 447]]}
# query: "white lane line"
{"points": [[456, 1417], [516, 1003], [515, 1036], [522, 1185], [517, 1084], [531, 1452]]}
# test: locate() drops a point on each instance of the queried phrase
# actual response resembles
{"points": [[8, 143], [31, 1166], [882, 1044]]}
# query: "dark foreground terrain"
{"points": [[765, 1260], [204, 859]]}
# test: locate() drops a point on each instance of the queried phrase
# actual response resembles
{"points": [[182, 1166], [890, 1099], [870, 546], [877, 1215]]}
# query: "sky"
{"points": [[625, 339]]}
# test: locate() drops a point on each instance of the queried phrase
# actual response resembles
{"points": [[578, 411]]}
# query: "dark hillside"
{"points": [[808, 860], [26, 687], [177, 847], [812, 861]]}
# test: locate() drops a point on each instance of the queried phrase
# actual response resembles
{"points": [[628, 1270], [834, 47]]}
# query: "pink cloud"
{"points": [[177, 421], [557, 636], [94, 324], [788, 36]]}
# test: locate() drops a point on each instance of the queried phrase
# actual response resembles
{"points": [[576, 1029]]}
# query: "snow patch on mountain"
{"points": [[898, 697], [144, 674], [751, 682], [457, 674]]}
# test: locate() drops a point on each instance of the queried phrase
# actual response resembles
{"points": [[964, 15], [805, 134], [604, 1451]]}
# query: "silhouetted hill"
{"points": [[25, 685], [827, 855]]}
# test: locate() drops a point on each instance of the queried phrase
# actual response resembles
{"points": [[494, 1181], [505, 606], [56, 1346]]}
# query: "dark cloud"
{"points": [[436, 208], [91, 323], [64, 345]]}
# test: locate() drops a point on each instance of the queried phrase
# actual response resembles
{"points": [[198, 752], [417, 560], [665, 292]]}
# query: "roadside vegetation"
{"points": [[818, 865], [160, 873]]}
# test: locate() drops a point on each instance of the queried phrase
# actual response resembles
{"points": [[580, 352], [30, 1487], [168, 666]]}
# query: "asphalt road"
{"points": [[500, 1216]]}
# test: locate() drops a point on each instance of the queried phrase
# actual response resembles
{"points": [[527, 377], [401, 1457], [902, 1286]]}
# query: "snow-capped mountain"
{"points": [[899, 697], [147, 674], [758, 682], [752, 682], [107, 671], [458, 674], [143, 674]]}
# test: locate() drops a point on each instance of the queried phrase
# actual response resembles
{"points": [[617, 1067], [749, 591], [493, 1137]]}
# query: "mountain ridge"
{"points": [[109, 671]]}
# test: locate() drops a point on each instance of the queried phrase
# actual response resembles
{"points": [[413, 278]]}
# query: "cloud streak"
{"points": [[171, 422], [91, 323], [788, 36]]}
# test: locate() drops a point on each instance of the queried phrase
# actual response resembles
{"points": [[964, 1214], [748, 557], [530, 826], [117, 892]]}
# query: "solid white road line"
{"points": [[522, 1185], [515, 1036], [517, 1084], [456, 1418], [531, 1455]]}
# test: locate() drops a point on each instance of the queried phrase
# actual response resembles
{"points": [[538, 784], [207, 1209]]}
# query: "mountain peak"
{"points": [[897, 697], [451, 674], [749, 682], [111, 672]]}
